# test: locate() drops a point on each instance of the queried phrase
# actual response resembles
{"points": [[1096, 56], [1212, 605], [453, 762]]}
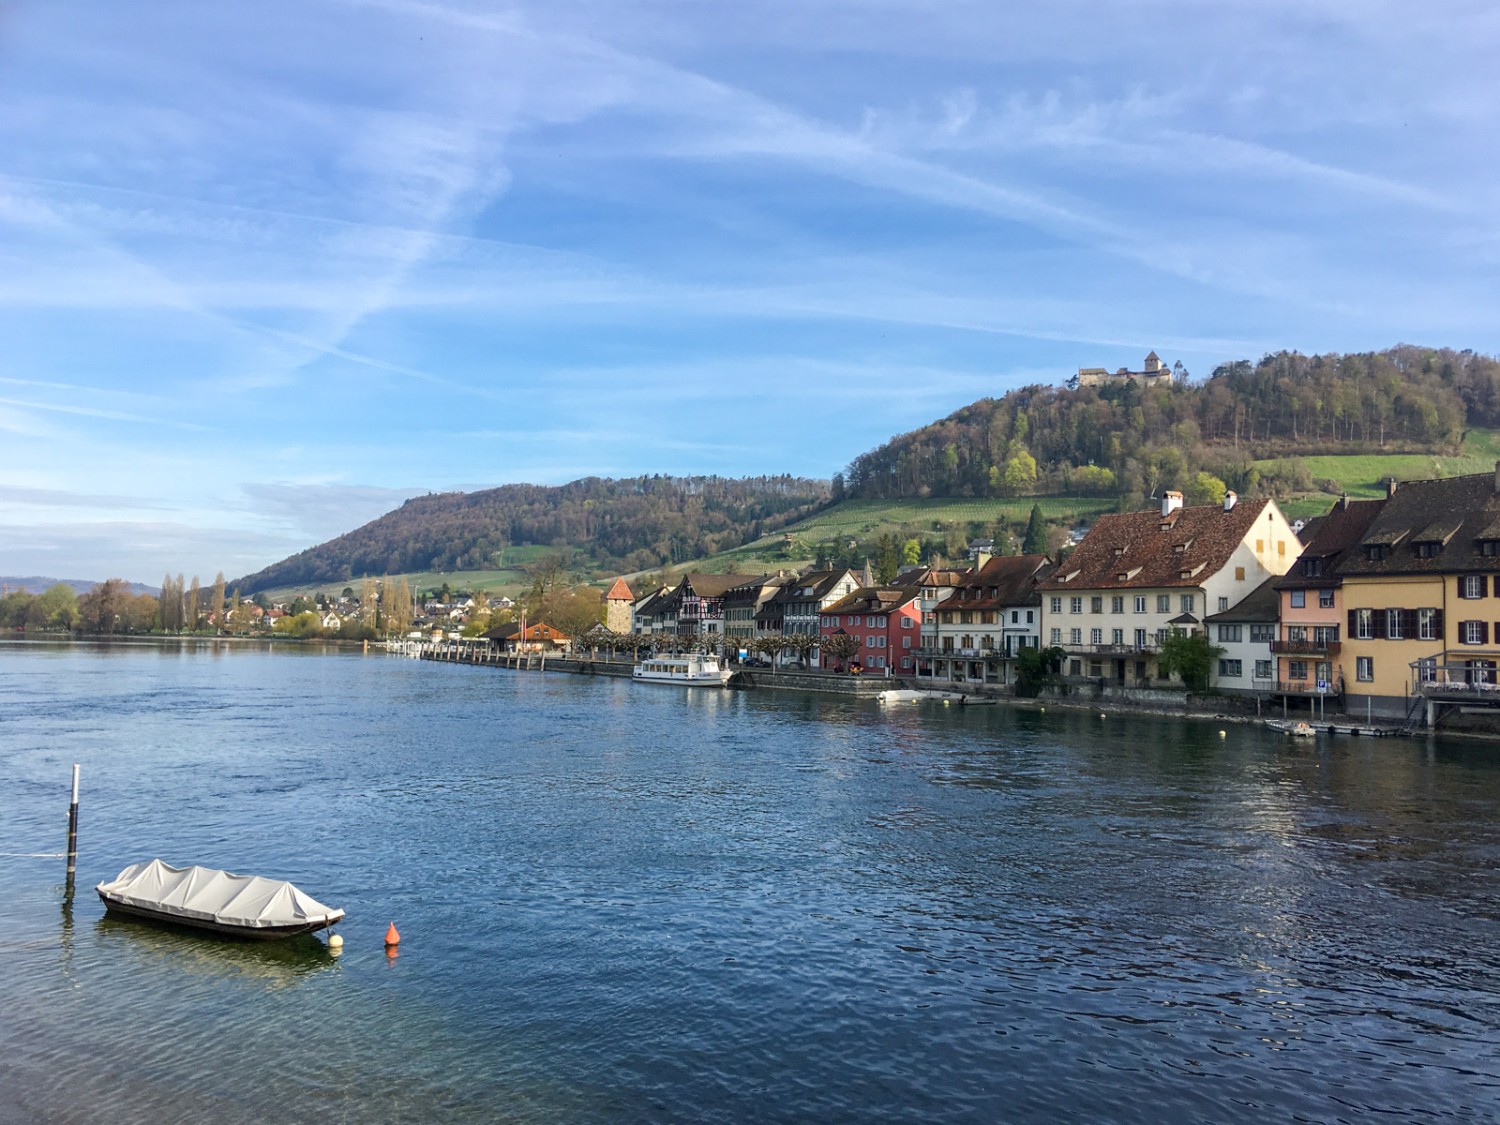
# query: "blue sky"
{"points": [[266, 270]]}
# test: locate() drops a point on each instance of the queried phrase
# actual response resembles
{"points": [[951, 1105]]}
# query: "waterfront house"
{"points": [[743, 605], [1421, 599], [994, 612], [1137, 576], [1246, 633], [1309, 641], [937, 585], [696, 604], [538, 637], [798, 606], [887, 622]]}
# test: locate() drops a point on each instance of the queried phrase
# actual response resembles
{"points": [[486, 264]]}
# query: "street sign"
{"points": [[1322, 687]]}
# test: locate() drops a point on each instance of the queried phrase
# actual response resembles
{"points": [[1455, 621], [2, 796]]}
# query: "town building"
{"points": [[1246, 633], [886, 620], [1421, 600], [795, 608], [937, 585], [1308, 647], [995, 611], [744, 603], [1138, 576]]}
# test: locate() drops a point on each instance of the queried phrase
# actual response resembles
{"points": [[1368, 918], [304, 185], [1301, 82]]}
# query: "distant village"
{"points": [[1386, 608]]}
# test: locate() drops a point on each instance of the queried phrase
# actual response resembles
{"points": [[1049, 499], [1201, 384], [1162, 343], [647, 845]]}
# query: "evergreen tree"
{"points": [[1035, 542]]}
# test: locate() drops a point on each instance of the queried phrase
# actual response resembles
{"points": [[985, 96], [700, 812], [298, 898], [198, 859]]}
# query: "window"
{"points": [[906, 642], [1117, 604], [1075, 636], [1473, 632], [906, 662], [1311, 568], [1229, 633], [1427, 669], [1055, 606], [1056, 636], [1262, 634], [1393, 625], [1260, 546], [1162, 635], [1117, 636], [907, 622], [1471, 586], [1364, 668], [1140, 638], [1325, 634], [928, 617], [1075, 605], [1428, 550], [1163, 603], [1364, 624], [1427, 625], [1489, 546], [1231, 669], [1239, 574], [1263, 670], [1298, 599], [1029, 618], [1377, 552], [1015, 617], [1281, 547], [1189, 602], [1325, 599], [1096, 636], [1223, 604], [1296, 669], [1140, 603]]}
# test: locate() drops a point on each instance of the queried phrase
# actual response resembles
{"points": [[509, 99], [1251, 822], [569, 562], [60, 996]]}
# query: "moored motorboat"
{"points": [[1298, 729], [692, 669], [205, 898]]}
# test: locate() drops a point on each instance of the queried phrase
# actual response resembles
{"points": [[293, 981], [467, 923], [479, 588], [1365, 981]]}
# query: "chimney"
{"points": [[1231, 498], [1344, 499], [1390, 487], [1170, 502], [1497, 477]]}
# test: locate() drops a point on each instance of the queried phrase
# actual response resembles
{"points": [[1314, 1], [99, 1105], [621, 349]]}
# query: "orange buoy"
{"points": [[391, 936]]}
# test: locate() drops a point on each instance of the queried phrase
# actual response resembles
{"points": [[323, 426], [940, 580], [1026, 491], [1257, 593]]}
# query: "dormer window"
{"points": [[1490, 547], [1428, 549], [1312, 568], [1377, 552]]}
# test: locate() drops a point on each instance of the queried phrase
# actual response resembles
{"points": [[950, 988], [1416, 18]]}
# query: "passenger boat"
{"points": [[694, 670], [243, 906]]}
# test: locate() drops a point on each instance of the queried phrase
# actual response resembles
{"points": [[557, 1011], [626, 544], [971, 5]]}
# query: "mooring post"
{"points": [[73, 827]]}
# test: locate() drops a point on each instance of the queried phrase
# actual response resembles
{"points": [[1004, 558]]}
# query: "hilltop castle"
{"points": [[1154, 372]]}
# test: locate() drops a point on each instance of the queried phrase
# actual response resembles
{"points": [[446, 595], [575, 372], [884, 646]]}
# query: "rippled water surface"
{"points": [[624, 902]]}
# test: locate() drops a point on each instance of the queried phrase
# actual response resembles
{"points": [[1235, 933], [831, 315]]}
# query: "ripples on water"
{"points": [[620, 902]]}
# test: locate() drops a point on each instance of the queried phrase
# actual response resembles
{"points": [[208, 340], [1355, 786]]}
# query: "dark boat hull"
{"points": [[208, 925]]}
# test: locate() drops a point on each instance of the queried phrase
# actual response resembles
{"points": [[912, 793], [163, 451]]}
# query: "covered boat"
{"points": [[246, 906], [694, 670]]}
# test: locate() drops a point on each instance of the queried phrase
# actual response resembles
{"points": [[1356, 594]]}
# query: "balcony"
{"points": [[1111, 650], [1305, 648], [1298, 687]]}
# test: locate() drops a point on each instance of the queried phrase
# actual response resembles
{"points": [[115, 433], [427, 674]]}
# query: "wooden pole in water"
{"points": [[73, 827]]}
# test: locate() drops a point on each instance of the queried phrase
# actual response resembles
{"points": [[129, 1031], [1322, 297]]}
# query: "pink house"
{"points": [[887, 620]]}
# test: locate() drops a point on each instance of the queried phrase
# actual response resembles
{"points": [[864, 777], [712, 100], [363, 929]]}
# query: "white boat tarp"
{"points": [[209, 895]]}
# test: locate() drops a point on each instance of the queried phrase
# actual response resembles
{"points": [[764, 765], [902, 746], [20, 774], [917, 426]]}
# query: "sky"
{"points": [[268, 270]]}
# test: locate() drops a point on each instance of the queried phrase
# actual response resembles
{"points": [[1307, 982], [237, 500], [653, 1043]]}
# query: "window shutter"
{"points": [[1437, 624], [1377, 622], [1353, 623], [1408, 623], [1484, 632]]}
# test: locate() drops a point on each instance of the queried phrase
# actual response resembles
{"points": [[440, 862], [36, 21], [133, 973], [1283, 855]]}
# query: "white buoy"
{"points": [[335, 941], [1102, 715], [1222, 734]]}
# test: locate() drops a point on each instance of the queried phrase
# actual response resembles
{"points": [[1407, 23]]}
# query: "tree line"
{"points": [[632, 524], [1131, 440]]}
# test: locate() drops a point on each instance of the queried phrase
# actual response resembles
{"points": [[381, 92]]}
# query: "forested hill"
{"points": [[626, 525], [1129, 439]]}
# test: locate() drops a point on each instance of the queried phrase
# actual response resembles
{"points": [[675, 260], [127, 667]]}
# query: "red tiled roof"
{"points": [[619, 592], [1132, 550]]}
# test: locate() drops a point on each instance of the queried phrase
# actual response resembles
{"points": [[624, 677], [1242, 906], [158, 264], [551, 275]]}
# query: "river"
{"points": [[627, 902]]}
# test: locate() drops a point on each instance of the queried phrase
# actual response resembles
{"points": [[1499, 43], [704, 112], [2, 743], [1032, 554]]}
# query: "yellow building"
{"points": [[1421, 599]]}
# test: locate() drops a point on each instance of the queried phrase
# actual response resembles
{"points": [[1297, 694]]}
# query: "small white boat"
{"points": [[693, 669], [1298, 729], [245, 906], [912, 695]]}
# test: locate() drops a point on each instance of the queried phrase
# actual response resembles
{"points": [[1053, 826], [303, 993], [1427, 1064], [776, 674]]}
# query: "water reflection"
{"points": [[156, 946]]}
